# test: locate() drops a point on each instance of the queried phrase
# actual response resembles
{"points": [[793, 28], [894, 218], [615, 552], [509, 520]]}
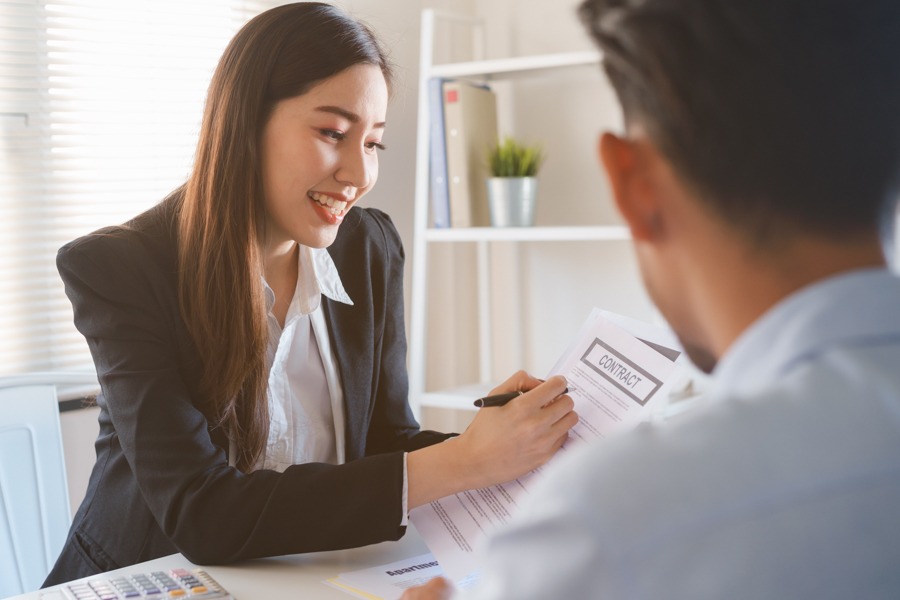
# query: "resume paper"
{"points": [[387, 582]]}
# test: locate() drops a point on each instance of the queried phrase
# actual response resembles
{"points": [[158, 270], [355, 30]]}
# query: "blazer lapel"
{"points": [[352, 345]]}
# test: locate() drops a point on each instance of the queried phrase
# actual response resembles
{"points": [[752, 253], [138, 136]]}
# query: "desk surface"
{"points": [[288, 577]]}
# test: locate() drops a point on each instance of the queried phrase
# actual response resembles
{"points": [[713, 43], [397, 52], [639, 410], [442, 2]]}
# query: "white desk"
{"points": [[289, 577]]}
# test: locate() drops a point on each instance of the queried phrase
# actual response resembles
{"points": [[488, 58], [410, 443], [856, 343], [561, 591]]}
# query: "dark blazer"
{"points": [[161, 483]]}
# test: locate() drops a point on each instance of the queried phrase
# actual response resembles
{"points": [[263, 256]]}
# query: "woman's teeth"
{"points": [[335, 207]]}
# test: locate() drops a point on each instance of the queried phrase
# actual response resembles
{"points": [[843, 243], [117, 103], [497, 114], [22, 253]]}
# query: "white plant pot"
{"points": [[511, 201]]}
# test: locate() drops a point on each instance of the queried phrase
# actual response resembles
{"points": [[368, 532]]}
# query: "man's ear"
{"points": [[632, 188]]}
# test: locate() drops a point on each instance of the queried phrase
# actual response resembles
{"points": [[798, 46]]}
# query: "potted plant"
{"points": [[512, 187]]}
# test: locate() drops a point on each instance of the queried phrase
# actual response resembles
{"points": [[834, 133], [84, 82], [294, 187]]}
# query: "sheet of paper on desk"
{"points": [[618, 371], [387, 582]]}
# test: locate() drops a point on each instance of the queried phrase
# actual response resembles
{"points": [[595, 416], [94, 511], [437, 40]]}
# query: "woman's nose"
{"points": [[356, 169]]}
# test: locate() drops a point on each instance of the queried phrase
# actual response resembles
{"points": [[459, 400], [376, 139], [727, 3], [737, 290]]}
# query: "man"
{"points": [[760, 159]]}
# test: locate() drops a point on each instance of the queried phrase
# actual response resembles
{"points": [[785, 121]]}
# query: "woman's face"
{"points": [[320, 155]]}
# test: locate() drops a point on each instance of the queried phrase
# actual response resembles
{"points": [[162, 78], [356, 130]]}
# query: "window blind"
{"points": [[100, 106]]}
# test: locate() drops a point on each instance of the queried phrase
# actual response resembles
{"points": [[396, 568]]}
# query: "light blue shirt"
{"points": [[783, 483]]}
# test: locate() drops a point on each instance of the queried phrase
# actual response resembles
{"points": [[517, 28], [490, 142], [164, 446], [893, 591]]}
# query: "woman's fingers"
{"points": [[520, 381], [558, 418], [543, 411], [558, 407], [567, 421], [543, 393]]}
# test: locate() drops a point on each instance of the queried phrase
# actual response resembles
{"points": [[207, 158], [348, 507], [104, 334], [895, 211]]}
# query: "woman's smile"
{"points": [[332, 209]]}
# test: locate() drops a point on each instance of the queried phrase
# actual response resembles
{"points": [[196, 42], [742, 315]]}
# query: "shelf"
{"points": [[511, 67], [528, 234], [578, 66], [461, 398]]}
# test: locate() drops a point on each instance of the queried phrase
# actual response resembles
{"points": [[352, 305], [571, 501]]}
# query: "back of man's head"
{"points": [[783, 115]]}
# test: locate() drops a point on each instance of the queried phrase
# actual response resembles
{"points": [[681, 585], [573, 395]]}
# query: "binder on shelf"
{"points": [[470, 128], [437, 156]]}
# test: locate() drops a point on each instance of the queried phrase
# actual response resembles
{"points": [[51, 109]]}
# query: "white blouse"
{"points": [[305, 397], [306, 401]]}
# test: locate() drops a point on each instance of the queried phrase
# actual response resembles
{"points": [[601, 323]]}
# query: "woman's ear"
{"points": [[634, 193]]}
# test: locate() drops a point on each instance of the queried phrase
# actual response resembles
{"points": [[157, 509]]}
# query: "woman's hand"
{"points": [[500, 444], [505, 442], [520, 381]]}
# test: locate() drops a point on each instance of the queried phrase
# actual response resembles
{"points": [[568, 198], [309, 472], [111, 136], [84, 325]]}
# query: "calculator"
{"points": [[158, 585]]}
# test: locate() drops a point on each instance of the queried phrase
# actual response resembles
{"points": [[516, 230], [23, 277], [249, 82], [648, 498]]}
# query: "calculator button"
{"points": [[176, 584]]}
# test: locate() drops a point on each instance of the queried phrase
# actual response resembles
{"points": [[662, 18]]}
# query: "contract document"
{"points": [[618, 370]]}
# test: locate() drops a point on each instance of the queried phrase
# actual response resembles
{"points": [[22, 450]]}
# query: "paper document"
{"points": [[618, 371], [387, 582]]}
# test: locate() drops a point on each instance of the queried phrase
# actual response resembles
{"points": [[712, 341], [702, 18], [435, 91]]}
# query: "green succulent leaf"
{"points": [[510, 158]]}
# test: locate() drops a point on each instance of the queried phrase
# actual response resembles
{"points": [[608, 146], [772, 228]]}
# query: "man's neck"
{"points": [[742, 289]]}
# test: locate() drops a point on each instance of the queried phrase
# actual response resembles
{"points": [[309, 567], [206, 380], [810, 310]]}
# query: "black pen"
{"points": [[502, 399], [497, 399]]}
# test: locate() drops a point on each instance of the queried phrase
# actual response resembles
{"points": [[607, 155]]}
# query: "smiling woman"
{"points": [[319, 157], [248, 331]]}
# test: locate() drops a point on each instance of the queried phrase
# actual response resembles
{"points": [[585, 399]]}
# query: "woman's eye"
{"points": [[373, 145], [333, 134]]}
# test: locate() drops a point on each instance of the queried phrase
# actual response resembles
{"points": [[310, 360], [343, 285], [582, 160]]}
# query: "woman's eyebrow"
{"points": [[341, 112]]}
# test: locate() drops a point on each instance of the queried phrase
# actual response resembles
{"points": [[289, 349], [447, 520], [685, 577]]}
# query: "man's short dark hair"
{"points": [[784, 115]]}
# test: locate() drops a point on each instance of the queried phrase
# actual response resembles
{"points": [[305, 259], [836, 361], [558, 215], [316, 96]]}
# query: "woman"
{"points": [[242, 414]]}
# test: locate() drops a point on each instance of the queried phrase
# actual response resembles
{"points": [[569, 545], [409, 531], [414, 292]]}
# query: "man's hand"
{"points": [[436, 589]]}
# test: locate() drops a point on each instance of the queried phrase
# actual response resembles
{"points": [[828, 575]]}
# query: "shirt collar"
{"points": [[327, 275], [317, 275], [855, 307]]}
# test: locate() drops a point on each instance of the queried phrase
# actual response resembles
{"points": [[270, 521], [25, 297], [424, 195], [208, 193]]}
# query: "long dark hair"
{"points": [[279, 54]]}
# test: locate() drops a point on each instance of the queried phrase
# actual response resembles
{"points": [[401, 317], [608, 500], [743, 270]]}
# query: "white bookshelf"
{"points": [[458, 398], [483, 237], [573, 233], [512, 68]]}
